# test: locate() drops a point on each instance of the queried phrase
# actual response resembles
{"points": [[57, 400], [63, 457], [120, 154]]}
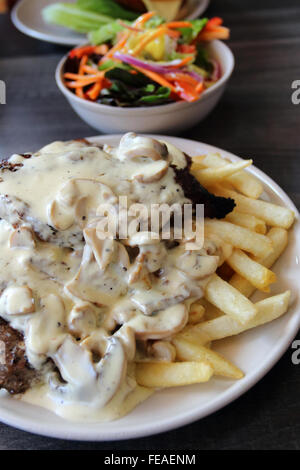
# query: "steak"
{"points": [[16, 375], [215, 207]]}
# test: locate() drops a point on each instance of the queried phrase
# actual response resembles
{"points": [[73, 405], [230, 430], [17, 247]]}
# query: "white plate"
{"points": [[27, 17], [254, 351]]}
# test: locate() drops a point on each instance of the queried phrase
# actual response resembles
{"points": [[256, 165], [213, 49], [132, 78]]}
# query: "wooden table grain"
{"points": [[256, 118]]}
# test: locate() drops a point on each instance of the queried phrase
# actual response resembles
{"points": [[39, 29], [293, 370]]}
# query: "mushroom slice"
{"points": [[103, 250], [60, 217], [68, 194], [95, 191], [143, 238], [111, 370], [151, 172], [161, 325], [91, 194], [154, 300], [17, 301], [127, 337], [163, 351], [196, 265], [133, 146], [87, 382], [45, 330], [98, 286], [137, 270], [123, 257], [74, 363], [155, 256], [78, 200], [96, 342], [175, 156], [122, 311], [80, 211], [82, 320], [22, 237], [171, 288]]}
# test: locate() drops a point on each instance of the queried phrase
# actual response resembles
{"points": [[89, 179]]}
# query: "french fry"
{"points": [[279, 238], [225, 248], [246, 220], [198, 159], [246, 184], [197, 163], [173, 374], [272, 214], [240, 237], [210, 311], [260, 276], [196, 313], [214, 175], [242, 181], [267, 310], [188, 351], [229, 300]]}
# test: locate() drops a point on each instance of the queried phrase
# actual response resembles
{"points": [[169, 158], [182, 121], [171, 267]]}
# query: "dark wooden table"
{"points": [[256, 118]]}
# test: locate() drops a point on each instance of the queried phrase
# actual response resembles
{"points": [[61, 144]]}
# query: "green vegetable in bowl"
{"points": [[88, 15], [105, 33], [107, 7], [140, 65], [132, 90], [73, 17]]}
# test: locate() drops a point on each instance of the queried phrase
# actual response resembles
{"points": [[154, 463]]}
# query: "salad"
{"points": [[147, 62]]}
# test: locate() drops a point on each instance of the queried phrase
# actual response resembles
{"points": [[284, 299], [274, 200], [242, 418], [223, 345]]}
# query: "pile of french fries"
{"points": [[255, 234]]}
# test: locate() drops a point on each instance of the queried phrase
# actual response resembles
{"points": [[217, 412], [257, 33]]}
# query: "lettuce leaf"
{"points": [[189, 34], [107, 7]]}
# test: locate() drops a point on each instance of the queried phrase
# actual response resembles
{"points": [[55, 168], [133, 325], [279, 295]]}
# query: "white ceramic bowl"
{"points": [[164, 118], [254, 351]]}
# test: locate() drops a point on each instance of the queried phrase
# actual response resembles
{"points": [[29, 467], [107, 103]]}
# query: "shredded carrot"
{"points": [[182, 77], [93, 92], [79, 92], [77, 76], [121, 43], [220, 32], [80, 51], [132, 28], [183, 62], [186, 48], [186, 91], [173, 33], [83, 82], [141, 20], [83, 61], [74, 76], [179, 24], [156, 78], [199, 88], [89, 69], [212, 23], [148, 38]]}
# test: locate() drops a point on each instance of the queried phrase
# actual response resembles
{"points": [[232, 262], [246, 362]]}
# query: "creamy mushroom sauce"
{"points": [[82, 304]]}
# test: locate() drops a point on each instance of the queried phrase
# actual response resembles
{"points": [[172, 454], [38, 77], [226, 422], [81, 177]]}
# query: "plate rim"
{"points": [[224, 398], [65, 41]]}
